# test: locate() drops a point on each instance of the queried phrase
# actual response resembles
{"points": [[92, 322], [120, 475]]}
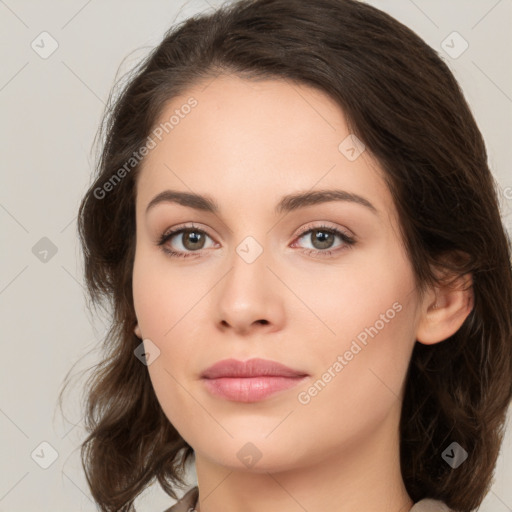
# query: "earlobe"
{"points": [[137, 332], [444, 314]]}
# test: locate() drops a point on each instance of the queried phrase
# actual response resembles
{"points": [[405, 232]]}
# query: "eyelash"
{"points": [[349, 241]]}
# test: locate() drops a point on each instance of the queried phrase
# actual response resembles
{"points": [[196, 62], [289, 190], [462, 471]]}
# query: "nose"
{"points": [[250, 298]]}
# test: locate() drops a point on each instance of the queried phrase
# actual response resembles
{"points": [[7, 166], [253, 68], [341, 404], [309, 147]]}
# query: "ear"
{"points": [[137, 332], [444, 310]]}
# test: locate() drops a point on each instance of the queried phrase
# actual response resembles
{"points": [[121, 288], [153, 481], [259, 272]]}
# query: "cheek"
{"points": [[371, 312], [361, 371], [165, 315], [161, 295], [371, 296]]}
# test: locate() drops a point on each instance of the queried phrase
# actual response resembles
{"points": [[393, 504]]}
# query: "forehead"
{"points": [[255, 138], [234, 110]]}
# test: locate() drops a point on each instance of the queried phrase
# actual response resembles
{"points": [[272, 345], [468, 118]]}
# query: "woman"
{"points": [[295, 224]]}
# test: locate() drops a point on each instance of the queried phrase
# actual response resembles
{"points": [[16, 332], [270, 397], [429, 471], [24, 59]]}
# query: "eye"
{"points": [[191, 239], [322, 238], [185, 241]]}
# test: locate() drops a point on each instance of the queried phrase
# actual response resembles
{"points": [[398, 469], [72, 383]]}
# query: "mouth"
{"points": [[250, 381]]}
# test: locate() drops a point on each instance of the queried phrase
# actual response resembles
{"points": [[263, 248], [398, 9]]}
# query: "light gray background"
{"points": [[50, 111]]}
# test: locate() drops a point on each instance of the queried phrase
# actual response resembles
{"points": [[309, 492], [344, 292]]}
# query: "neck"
{"points": [[363, 476]]}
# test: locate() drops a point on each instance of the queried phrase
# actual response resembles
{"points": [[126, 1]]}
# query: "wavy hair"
{"points": [[408, 109]]}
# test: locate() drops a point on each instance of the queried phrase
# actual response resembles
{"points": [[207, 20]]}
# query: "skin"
{"points": [[246, 144]]}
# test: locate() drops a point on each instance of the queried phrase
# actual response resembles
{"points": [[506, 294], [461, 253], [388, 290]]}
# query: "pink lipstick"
{"points": [[249, 381]]}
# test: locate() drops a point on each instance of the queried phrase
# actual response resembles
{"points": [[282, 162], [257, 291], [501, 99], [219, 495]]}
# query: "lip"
{"points": [[255, 367], [251, 380]]}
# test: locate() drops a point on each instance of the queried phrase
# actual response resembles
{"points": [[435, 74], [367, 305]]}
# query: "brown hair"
{"points": [[408, 109]]}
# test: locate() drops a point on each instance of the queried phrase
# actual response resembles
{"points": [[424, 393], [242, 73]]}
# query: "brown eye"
{"points": [[184, 242], [322, 238], [192, 239]]}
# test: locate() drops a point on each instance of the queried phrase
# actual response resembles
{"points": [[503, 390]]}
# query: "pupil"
{"points": [[192, 237], [323, 237]]}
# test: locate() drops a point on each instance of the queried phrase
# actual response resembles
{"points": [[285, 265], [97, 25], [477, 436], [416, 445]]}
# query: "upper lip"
{"points": [[251, 368]]}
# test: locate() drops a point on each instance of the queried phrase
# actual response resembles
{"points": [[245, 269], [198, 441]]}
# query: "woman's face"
{"points": [[259, 281]]}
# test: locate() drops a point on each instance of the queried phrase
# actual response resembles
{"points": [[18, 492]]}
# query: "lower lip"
{"points": [[249, 389]]}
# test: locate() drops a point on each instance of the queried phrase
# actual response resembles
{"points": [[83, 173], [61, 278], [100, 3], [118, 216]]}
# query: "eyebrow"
{"points": [[287, 203]]}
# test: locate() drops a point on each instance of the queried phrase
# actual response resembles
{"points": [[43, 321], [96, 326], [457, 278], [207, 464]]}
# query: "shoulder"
{"points": [[187, 503], [429, 505]]}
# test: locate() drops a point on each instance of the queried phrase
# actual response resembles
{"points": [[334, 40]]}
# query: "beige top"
{"points": [[189, 501]]}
